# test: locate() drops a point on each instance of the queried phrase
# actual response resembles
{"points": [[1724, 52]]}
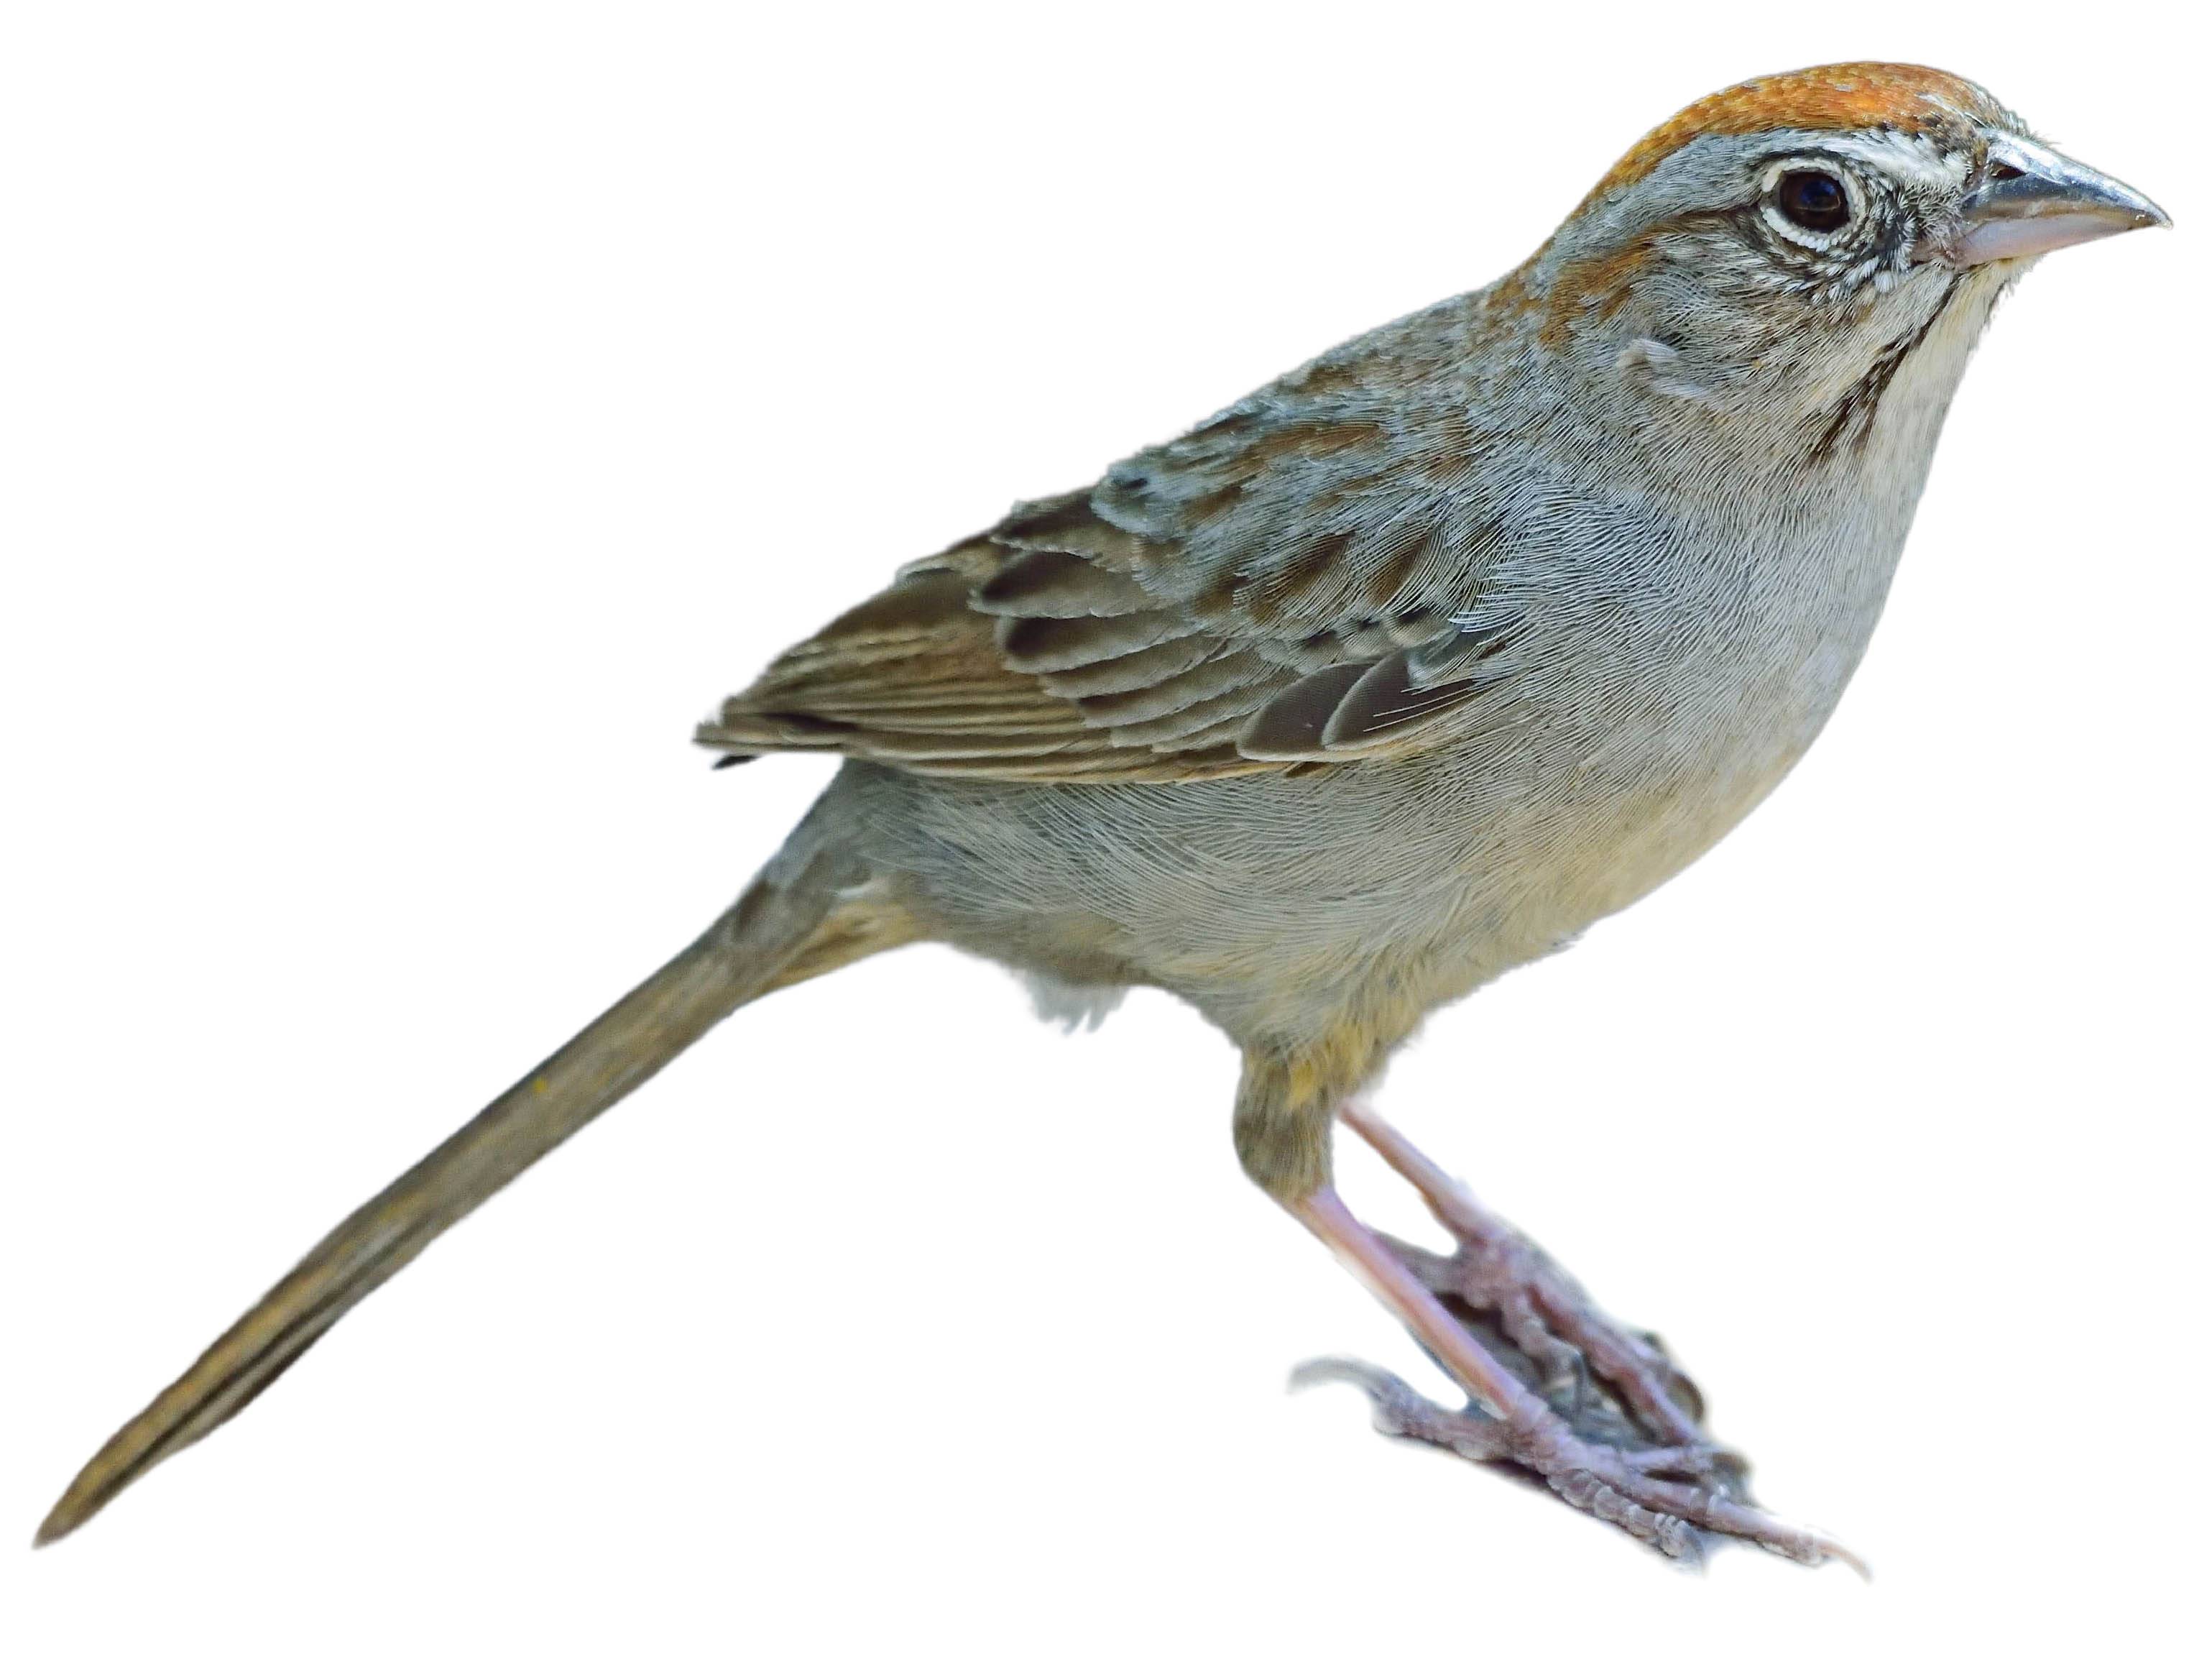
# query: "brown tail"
{"points": [[797, 920]]}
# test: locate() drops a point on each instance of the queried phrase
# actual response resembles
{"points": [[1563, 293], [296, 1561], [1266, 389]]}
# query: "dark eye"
{"points": [[1814, 200]]}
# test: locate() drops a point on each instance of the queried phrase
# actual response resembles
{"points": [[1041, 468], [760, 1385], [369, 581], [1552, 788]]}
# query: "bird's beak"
{"points": [[2032, 200]]}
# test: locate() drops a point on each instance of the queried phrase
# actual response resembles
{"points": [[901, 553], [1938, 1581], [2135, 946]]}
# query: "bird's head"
{"points": [[1797, 245]]}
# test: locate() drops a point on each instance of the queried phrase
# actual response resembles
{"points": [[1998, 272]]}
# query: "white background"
{"points": [[416, 415]]}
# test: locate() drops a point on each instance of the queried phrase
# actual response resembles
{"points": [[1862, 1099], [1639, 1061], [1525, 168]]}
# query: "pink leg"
{"points": [[1619, 1483], [1378, 1266], [1542, 1308]]}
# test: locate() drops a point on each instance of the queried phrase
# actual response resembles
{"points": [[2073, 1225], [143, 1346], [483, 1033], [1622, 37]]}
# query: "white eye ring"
{"points": [[1770, 207]]}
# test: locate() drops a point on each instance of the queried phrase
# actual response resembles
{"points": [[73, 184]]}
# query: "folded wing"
{"points": [[1301, 581]]}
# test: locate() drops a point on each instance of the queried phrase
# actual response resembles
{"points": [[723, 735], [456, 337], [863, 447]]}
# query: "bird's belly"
{"points": [[1272, 900]]}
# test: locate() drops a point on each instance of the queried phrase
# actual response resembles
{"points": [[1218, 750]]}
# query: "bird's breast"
{"points": [[1669, 705]]}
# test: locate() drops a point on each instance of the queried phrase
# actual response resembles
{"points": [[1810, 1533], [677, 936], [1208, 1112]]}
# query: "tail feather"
{"points": [[779, 932]]}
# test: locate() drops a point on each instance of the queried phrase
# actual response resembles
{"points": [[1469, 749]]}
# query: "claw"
{"points": [[1335, 1368], [1672, 1497], [1404, 1413], [1621, 1435]]}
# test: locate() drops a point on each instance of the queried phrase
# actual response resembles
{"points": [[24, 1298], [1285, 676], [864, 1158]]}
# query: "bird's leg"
{"points": [[1539, 1309], [1665, 1492]]}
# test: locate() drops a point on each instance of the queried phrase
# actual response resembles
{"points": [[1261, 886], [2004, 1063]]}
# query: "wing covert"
{"points": [[1299, 580]]}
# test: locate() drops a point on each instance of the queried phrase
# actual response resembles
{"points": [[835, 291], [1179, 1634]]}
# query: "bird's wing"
{"points": [[1299, 581]]}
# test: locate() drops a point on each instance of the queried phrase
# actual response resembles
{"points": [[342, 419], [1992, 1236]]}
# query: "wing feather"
{"points": [[1295, 582]]}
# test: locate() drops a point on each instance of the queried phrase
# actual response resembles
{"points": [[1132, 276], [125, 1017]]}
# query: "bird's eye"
{"points": [[1813, 200]]}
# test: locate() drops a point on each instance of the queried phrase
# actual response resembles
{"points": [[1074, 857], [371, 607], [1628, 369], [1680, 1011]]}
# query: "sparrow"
{"points": [[1393, 675]]}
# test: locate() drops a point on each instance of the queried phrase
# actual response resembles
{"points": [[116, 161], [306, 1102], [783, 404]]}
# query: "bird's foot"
{"points": [[1559, 1391], [1613, 1384], [1610, 1383], [1672, 1498]]}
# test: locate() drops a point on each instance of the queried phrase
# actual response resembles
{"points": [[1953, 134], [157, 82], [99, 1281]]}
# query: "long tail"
{"points": [[799, 919]]}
